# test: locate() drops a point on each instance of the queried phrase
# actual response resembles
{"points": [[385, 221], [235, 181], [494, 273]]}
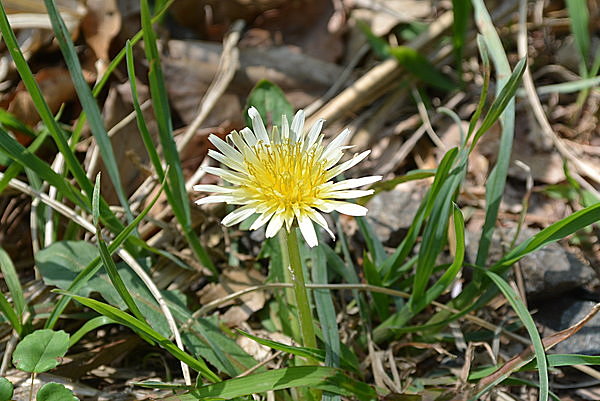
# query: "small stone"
{"points": [[563, 313], [392, 212], [547, 272]]}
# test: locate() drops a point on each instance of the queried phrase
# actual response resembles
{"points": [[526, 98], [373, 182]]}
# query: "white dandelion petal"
{"points": [[249, 137], [214, 199], [231, 163], [347, 165], [320, 220], [314, 133], [261, 220], [231, 176], [307, 229], [258, 126], [351, 209], [285, 128], [348, 194], [298, 127], [224, 147], [284, 176], [238, 215], [355, 182], [335, 145], [212, 188], [274, 225]]}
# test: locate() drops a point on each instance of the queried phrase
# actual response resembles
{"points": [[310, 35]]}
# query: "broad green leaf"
{"points": [[55, 392], [143, 328], [41, 350], [419, 66], [319, 377], [271, 103], [6, 389], [63, 262]]}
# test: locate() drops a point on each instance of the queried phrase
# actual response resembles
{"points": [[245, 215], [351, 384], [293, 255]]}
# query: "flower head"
{"points": [[284, 177]]}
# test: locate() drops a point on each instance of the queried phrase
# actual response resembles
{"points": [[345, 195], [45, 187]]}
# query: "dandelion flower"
{"points": [[284, 177]]}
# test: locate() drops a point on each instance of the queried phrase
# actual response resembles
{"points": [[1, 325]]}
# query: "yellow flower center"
{"points": [[284, 176]]}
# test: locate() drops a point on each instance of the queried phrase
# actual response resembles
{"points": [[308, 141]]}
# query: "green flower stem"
{"points": [[305, 315]]}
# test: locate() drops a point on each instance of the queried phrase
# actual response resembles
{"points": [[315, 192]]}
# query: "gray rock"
{"points": [[564, 312], [391, 212], [547, 272]]}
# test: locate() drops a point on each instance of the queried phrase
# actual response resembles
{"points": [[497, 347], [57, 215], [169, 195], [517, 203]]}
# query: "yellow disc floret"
{"points": [[284, 176]]}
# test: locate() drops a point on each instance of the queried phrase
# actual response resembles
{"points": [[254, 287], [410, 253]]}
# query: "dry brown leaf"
{"points": [[191, 66], [56, 86], [233, 280], [101, 24], [129, 150]]}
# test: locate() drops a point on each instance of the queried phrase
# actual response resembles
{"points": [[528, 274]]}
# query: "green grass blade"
{"points": [[109, 70], [319, 377], [538, 346], [48, 119], [15, 168], [88, 103], [10, 314], [141, 123], [374, 244], [419, 66], [506, 83], [144, 329], [40, 103], [487, 71], [389, 268], [89, 326], [381, 301], [21, 155], [552, 233], [305, 352], [506, 96], [105, 255], [180, 202], [558, 360], [580, 19], [450, 274], [12, 282], [325, 309], [408, 311], [86, 274], [461, 10], [390, 184], [9, 120], [566, 87]]}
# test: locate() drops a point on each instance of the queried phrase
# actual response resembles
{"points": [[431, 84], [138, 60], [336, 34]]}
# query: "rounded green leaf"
{"points": [[6, 389], [41, 351], [55, 392]]}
